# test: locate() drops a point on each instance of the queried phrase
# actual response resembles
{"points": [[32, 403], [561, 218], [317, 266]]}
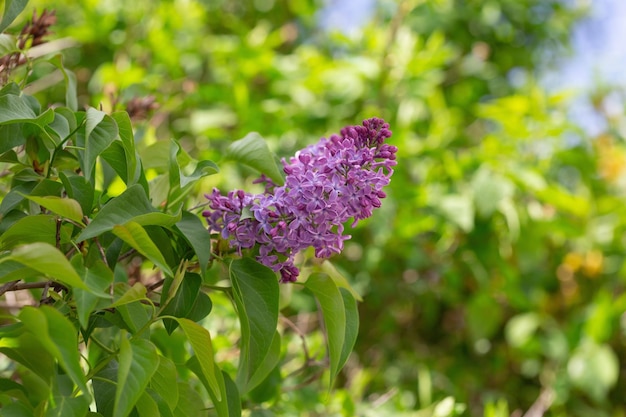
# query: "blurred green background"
{"points": [[493, 276]]}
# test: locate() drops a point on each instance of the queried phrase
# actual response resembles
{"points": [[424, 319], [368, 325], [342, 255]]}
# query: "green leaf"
{"points": [[12, 8], [79, 189], [200, 341], [8, 44], [268, 365], [128, 142], [71, 99], [190, 403], [100, 131], [11, 271], [59, 337], [68, 406], [29, 229], [26, 348], [137, 237], [135, 293], [146, 406], [138, 360], [12, 136], [201, 308], [256, 294], [162, 382], [198, 237], [233, 399], [98, 277], [220, 404], [333, 310], [183, 301], [253, 152], [47, 260], [131, 205], [64, 207], [17, 109], [352, 326], [115, 155]]}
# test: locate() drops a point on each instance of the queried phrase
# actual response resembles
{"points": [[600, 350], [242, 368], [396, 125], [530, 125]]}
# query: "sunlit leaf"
{"points": [[64, 207], [47, 260], [131, 205], [253, 151], [137, 237]]}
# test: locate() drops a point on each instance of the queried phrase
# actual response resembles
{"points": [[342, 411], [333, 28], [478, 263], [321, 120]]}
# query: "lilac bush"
{"points": [[326, 184]]}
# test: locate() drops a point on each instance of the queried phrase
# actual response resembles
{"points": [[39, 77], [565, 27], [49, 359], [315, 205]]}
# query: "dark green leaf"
{"points": [[68, 406], [201, 308], [98, 277], [78, 188], [256, 293], [183, 301], [11, 136], [138, 360], [253, 151], [352, 326], [59, 337], [197, 235], [333, 310], [268, 365], [16, 109], [100, 131], [115, 155], [133, 205]]}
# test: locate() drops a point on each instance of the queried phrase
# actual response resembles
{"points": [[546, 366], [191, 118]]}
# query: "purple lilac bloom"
{"points": [[326, 184]]}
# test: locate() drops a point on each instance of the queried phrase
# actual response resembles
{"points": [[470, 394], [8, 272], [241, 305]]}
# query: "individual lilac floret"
{"points": [[326, 184]]}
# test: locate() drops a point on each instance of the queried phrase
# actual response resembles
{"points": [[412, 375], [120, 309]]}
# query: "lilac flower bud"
{"points": [[326, 184]]}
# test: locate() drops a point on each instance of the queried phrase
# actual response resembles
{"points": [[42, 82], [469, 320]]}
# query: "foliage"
{"points": [[120, 278], [492, 277]]}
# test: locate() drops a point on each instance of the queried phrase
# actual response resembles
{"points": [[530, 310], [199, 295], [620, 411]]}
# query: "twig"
{"points": [[44, 294], [9, 286], [126, 255], [300, 334], [102, 253], [155, 285], [14, 286], [306, 382]]}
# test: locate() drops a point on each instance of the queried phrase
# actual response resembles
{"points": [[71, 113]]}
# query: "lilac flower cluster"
{"points": [[326, 184]]}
